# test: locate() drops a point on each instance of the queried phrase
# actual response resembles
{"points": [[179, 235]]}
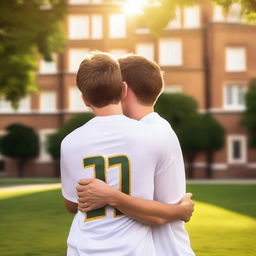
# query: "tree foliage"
{"points": [[158, 16], [196, 132], [55, 139], [20, 142], [249, 116], [27, 28]]}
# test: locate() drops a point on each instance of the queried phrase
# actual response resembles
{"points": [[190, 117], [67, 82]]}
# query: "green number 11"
{"points": [[99, 165]]}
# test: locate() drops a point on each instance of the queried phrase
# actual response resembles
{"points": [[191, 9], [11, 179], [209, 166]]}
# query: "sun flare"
{"points": [[133, 7]]}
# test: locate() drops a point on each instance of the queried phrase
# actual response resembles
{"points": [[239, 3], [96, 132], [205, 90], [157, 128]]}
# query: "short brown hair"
{"points": [[143, 76], [99, 79]]}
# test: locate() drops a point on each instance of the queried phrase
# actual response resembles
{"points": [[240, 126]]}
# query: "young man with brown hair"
{"points": [[123, 152], [145, 84]]}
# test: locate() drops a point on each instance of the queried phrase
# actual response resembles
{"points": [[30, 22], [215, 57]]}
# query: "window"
{"points": [[237, 149], [85, 27], [117, 53], [75, 101], [170, 52], [48, 101], [233, 15], [192, 17], [76, 56], [234, 97], [48, 67], [44, 155], [235, 59], [117, 26], [173, 89], [96, 27], [78, 26], [24, 106], [146, 50], [176, 22]]}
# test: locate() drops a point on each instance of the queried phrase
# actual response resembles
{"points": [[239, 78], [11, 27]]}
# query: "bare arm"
{"points": [[70, 206], [94, 193]]}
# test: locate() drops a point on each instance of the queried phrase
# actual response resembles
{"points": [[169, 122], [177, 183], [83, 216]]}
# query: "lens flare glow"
{"points": [[133, 7]]}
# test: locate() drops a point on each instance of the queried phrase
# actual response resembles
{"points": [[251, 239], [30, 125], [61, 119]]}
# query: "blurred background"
{"points": [[207, 51]]}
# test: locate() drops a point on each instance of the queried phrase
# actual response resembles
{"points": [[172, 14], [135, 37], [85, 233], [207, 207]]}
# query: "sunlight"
{"points": [[132, 7]]}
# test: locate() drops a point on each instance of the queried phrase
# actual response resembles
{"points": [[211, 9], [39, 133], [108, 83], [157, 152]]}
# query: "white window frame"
{"points": [[186, 22], [176, 22], [44, 156], [170, 63], [21, 109], [43, 70], [112, 26], [243, 140], [86, 30], [73, 107], [71, 68], [42, 105], [235, 97], [149, 46], [229, 62]]}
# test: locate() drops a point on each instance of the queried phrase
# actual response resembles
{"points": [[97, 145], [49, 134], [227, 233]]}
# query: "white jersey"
{"points": [[170, 239], [124, 153]]}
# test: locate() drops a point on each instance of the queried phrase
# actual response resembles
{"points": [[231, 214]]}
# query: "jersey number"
{"points": [[99, 165]]}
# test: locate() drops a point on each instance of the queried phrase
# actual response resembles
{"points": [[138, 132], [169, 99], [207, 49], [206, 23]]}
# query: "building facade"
{"points": [[203, 53]]}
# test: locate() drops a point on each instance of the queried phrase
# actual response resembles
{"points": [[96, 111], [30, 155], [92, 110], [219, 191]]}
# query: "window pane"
{"points": [[170, 53], [48, 67], [234, 13], [75, 101], [192, 17], [218, 14], [241, 95], [173, 89], [236, 149], [48, 101], [76, 56], [25, 104], [176, 22], [236, 59], [117, 26], [5, 106], [229, 95], [78, 27], [96, 27], [146, 50]]}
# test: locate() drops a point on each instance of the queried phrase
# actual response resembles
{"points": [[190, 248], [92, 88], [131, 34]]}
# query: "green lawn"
{"points": [[33, 221]]}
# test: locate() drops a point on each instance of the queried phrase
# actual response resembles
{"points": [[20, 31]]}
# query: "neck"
{"points": [[109, 110], [138, 111]]}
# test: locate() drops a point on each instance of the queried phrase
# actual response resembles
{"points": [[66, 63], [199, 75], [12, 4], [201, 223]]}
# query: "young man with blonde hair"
{"points": [[145, 83], [123, 152]]}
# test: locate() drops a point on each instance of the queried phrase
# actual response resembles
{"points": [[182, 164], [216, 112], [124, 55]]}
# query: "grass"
{"points": [[34, 222]]}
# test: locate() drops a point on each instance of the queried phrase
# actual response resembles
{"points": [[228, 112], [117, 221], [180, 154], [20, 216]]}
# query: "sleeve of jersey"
{"points": [[169, 180], [68, 182]]}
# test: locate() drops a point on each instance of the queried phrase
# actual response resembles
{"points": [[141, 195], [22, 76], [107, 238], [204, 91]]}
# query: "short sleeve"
{"points": [[68, 181], [169, 179]]}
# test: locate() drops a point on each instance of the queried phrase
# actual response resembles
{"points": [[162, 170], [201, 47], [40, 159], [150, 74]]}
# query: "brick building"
{"points": [[203, 53]]}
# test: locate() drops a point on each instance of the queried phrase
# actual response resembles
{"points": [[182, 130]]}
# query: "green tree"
{"points": [[158, 16], [20, 142], [196, 132], [27, 29], [176, 108], [249, 116], [54, 140], [215, 140]]}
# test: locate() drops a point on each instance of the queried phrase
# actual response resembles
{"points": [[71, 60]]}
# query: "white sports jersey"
{"points": [[170, 239], [124, 153]]}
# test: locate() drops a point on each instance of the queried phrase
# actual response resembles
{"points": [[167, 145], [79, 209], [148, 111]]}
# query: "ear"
{"points": [[86, 102], [124, 90]]}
